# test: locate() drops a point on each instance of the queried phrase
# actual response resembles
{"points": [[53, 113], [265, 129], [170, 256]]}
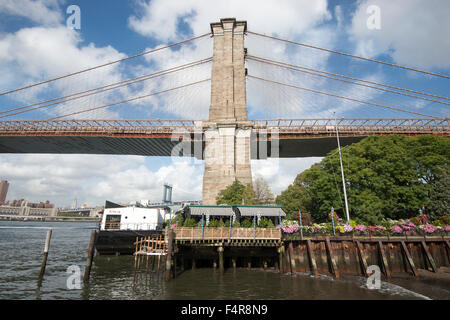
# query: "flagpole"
{"points": [[342, 171]]}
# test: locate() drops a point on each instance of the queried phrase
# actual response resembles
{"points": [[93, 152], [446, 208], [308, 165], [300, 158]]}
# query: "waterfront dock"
{"points": [[224, 248]]}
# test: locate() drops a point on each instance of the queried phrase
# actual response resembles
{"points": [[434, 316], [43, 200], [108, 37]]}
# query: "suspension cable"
{"points": [[350, 55], [132, 99], [317, 73], [102, 89], [342, 97], [106, 64]]}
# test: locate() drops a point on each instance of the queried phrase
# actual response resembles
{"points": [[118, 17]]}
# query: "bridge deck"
{"points": [[296, 137]]}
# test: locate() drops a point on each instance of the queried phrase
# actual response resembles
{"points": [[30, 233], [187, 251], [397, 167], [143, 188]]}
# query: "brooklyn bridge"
{"points": [[228, 139]]}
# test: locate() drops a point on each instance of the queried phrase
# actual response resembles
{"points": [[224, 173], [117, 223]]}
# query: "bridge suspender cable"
{"points": [[132, 99], [342, 97], [349, 55], [105, 88], [317, 73], [106, 64]]}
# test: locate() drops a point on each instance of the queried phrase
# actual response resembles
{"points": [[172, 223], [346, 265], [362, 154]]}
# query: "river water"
{"points": [[22, 244]]}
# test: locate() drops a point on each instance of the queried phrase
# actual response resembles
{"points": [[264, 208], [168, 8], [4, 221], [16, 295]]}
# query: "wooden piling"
{"points": [[90, 258], [312, 258], [334, 268], [409, 258], [292, 258], [44, 258], [169, 254], [233, 262], [135, 253], [429, 256], [384, 260], [362, 258], [221, 266], [280, 253]]}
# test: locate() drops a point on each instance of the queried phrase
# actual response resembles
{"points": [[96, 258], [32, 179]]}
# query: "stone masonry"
{"points": [[227, 133]]}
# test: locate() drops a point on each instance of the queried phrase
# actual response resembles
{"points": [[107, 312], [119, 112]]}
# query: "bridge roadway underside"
{"points": [[292, 147]]}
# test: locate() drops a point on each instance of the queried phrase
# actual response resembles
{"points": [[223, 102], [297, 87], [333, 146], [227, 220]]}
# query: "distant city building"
{"points": [[25, 203], [4, 185]]}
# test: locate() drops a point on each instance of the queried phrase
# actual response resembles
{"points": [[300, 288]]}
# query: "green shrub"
{"points": [[246, 223], [189, 223], [265, 223], [179, 219], [236, 224], [213, 223]]}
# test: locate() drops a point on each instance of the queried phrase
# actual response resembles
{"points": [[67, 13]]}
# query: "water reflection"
{"points": [[116, 278]]}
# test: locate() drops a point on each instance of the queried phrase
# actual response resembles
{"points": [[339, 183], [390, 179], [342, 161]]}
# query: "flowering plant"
{"points": [[289, 226], [360, 229], [396, 229], [421, 219], [447, 228], [377, 230], [348, 228], [428, 228]]}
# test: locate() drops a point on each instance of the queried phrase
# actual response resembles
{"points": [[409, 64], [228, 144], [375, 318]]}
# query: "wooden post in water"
{"points": [[334, 268], [221, 266], [281, 252], [90, 257], [312, 258], [233, 261], [44, 258], [169, 254], [292, 258], [362, 258], [135, 253], [409, 258], [429, 256], [384, 260]]}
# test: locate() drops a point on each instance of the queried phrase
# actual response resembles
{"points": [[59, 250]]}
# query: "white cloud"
{"points": [[280, 173], [33, 54], [413, 32], [92, 179], [44, 12], [160, 18]]}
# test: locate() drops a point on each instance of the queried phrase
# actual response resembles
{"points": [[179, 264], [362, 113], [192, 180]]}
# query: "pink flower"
{"points": [[447, 228], [397, 229], [429, 228]]}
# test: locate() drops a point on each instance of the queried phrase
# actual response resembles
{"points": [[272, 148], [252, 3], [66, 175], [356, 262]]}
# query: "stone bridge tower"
{"points": [[227, 133]]}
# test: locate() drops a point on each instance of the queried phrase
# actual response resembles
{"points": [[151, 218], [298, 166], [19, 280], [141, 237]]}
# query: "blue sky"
{"points": [[35, 45]]}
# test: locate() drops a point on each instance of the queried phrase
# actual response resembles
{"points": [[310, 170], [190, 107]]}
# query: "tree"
{"points": [[234, 193], [263, 194], [440, 195], [386, 177]]}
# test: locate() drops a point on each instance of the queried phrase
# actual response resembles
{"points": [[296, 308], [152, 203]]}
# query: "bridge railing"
{"points": [[207, 233], [354, 125], [375, 126], [95, 126]]}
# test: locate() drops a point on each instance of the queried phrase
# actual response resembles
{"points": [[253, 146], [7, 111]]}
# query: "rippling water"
{"points": [[21, 248]]}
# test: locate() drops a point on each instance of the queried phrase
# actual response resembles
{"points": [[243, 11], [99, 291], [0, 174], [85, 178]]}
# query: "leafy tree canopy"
{"points": [[235, 193], [386, 177]]}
